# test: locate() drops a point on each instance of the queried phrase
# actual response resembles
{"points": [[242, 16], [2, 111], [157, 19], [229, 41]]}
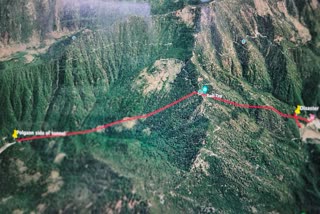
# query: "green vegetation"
{"points": [[199, 156]]}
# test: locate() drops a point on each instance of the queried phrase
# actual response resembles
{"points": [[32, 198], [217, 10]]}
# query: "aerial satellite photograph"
{"points": [[159, 106]]}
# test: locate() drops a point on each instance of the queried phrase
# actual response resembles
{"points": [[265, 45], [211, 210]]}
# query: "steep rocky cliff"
{"points": [[73, 65]]}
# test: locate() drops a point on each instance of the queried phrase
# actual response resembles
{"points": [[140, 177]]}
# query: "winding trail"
{"points": [[293, 116], [5, 146]]}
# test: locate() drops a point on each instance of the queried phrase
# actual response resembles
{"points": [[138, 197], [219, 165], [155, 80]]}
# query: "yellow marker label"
{"points": [[15, 134], [297, 111]]}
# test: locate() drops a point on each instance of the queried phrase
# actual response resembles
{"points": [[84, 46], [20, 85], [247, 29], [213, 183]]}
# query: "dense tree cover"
{"points": [[247, 157]]}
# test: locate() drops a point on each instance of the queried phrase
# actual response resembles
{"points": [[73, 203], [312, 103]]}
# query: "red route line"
{"points": [[110, 124], [297, 118], [294, 116]]}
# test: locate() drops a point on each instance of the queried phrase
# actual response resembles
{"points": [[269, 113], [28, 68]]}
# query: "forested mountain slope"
{"points": [[74, 65]]}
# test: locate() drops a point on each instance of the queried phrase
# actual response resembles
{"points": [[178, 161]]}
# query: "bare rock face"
{"points": [[91, 62], [160, 75], [33, 24], [260, 42]]}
